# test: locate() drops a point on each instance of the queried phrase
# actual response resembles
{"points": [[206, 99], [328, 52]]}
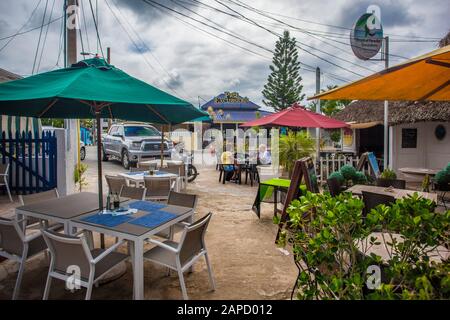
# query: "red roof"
{"points": [[297, 116]]}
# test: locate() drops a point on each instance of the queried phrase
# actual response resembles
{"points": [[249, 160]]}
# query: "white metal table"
{"points": [[136, 235]]}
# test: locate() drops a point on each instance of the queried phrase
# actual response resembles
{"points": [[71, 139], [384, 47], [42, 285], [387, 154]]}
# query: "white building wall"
{"points": [[430, 152]]}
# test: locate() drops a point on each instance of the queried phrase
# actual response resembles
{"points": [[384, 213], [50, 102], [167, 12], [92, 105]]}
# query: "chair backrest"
{"points": [[38, 197], [11, 237], [157, 186], [147, 166], [182, 199], [68, 251], [371, 200], [334, 186], [174, 168], [133, 192], [396, 183], [193, 239], [115, 183], [4, 168]]}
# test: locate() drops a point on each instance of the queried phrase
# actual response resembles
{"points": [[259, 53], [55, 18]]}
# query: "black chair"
{"points": [[371, 200], [396, 183], [334, 186], [250, 172]]}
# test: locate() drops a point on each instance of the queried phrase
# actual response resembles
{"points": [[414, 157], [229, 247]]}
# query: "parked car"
{"points": [[134, 142]]}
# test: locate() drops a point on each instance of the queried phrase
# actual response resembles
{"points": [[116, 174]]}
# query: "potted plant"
{"points": [[387, 178], [294, 146], [442, 179], [335, 136]]}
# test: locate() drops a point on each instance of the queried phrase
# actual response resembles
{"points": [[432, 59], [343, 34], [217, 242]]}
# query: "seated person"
{"points": [[227, 161], [264, 155]]}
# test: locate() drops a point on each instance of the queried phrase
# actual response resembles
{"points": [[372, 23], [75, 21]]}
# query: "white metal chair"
{"points": [[68, 251], [158, 188], [115, 183], [17, 245], [4, 171], [182, 255], [133, 192]]}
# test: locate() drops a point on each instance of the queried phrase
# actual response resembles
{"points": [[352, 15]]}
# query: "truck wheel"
{"points": [[125, 159], [104, 155], [82, 153]]}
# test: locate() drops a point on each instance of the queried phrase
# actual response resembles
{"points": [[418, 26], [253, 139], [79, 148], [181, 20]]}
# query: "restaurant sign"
{"points": [[366, 36], [231, 97]]}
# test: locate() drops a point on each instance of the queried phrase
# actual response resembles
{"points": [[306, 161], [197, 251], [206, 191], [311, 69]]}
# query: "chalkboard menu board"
{"points": [[409, 138], [373, 163], [310, 175]]}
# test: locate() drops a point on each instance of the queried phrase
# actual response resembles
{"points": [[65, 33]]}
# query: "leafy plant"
{"points": [[360, 177], [293, 146], [348, 172], [333, 248], [338, 176], [443, 176], [335, 136], [388, 174], [78, 176]]}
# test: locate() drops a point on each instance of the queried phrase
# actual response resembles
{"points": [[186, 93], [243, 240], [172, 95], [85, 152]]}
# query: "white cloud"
{"points": [[201, 65]]}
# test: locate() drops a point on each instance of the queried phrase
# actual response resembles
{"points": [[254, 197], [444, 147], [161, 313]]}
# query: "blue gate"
{"points": [[32, 161]]}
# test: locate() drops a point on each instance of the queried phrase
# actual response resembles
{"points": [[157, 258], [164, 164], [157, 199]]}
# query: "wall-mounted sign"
{"points": [[440, 132], [366, 36], [231, 97], [348, 137], [409, 138]]}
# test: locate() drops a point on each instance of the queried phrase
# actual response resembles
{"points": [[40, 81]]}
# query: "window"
{"points": [[139, 131], [112, 130], [409, 138]]}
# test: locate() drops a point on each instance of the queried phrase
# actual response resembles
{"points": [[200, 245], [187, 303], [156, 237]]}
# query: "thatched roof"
{"points": [[364, 111], [8, 76], [445, 41]]}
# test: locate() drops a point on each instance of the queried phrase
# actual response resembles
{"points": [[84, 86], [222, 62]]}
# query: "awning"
{"points": [[426, 77], [364, 125]]}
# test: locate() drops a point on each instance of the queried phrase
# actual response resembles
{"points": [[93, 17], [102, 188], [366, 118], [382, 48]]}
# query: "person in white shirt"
{"points": [[264, 155]]}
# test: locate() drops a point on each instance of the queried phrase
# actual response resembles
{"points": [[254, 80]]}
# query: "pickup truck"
{"points": [[134, 142]]}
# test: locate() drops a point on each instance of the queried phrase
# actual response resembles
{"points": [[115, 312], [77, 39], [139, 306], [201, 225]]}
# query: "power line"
{"points": [[45, 37], [40, 34], [340, 27], [138, 47], [149, 50], [11, 37], [96, 28], [304, 66], [303, 44], [85, 25]]}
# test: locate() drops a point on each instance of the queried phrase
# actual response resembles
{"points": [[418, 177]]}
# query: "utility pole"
{"points": [[386, 109], [318, 111], [70, 57], [108, 59]]}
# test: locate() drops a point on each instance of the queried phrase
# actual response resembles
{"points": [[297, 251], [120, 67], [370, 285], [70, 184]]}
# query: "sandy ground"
{"points": [[246, 263]]}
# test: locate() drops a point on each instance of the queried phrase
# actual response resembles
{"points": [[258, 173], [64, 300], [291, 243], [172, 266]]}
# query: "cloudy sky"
{"points": [[164, 46]]}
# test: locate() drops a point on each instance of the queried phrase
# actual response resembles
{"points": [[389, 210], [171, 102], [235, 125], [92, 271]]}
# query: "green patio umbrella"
{"points": [[92, 88]]}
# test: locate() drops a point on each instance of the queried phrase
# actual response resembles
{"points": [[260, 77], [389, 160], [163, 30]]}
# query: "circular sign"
{"points": [[366, 36], [440, 132]]}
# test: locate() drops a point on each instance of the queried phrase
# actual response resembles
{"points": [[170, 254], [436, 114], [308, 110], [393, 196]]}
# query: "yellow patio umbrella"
{"points": [[426, 77]]}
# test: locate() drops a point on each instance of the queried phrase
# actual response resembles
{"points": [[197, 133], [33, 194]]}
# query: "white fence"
{"points": [[334, 162]]}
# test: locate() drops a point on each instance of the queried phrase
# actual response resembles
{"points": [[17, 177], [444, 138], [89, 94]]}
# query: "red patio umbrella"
{"points": [[297, 116]]}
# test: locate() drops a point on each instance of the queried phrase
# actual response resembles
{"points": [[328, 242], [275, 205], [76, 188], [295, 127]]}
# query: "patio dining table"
{"points": [[135, 231], [268, 188], [396, 193], [62, 209]]}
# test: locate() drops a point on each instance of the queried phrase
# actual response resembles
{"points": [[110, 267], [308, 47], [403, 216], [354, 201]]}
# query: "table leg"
{"points": [[137, 248], [275, 201]]}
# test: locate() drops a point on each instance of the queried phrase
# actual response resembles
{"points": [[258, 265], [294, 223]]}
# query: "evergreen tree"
{"points": [[283, 87]]}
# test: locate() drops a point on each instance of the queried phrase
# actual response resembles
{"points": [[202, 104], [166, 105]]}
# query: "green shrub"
{"points": [[360, 177], [348, 172], [338, 176], [442, 177], [331, 243], [389, 174]]}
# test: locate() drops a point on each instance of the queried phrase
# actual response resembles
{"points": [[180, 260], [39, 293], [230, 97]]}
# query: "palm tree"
{"points": [[294, 146]]}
